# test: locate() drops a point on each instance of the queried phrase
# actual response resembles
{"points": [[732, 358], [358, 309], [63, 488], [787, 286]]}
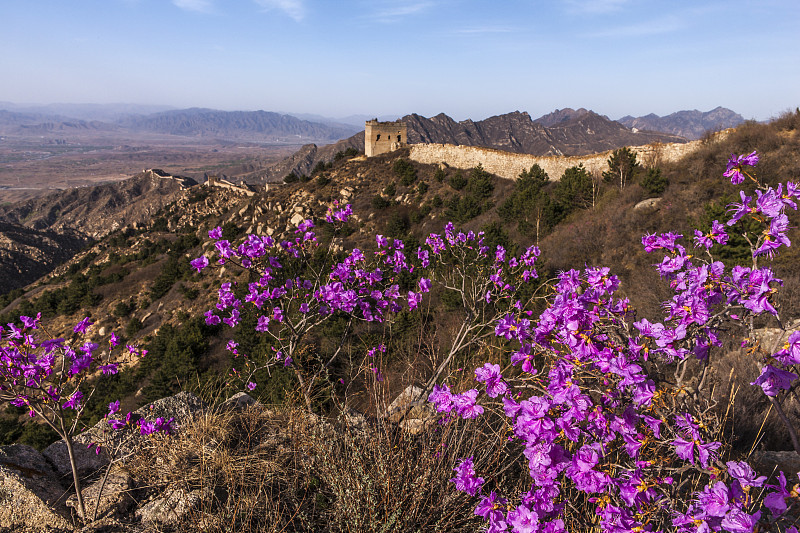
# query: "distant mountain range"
{"points": [[256, 126], [195, 123], [564, 131], [690, 124]]}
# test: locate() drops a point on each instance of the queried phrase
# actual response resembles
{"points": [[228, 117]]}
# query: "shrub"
{"points": [[458, 181], [654, 183]]}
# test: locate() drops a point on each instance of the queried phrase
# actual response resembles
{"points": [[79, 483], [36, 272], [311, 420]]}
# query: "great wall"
{"points": [[379, 137], [509, 165]]}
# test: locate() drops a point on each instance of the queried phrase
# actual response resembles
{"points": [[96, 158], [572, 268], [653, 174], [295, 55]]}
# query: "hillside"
{"points": [[136, 280]]}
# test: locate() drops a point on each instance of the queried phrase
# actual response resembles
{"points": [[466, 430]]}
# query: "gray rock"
{"points": [[769, 462], [31, 498], [115, 499], [87, 461], [169, 508], [239, 402], [182, 407], [650, 203], [410, 404]]}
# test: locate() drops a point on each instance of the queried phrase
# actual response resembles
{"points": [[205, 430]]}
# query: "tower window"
{"points": [[378, 138]]}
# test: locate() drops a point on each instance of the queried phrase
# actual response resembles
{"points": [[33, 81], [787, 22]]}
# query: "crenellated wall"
{"points": [[509, 165]]}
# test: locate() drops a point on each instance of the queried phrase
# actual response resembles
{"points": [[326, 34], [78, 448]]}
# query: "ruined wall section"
{"points": [[509, 165]]}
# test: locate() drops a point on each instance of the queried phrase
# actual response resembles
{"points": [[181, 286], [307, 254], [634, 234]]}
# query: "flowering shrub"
{"points": [[297, 285], [607, 433], [603, 436], [54, 378]]}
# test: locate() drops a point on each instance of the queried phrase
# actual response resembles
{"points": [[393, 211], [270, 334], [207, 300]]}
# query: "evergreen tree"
{"points": [[622, 166]]}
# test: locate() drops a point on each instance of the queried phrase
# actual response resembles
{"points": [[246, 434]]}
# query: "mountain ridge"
{"points": [[690, 124]]}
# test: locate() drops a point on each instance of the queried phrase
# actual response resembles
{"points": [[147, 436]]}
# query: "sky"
{"points": [[466, 58]]}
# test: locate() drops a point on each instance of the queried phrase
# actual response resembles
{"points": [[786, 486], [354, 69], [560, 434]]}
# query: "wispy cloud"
{"points": [[201, 6], [594, 7], [392, 13], [644, 28], [293, 8]]}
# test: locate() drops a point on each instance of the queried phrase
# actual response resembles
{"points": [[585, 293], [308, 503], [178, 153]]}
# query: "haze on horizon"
{"points": [[466, 58]]}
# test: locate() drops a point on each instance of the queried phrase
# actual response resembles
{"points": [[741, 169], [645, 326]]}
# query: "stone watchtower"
{"points": [[382, 137]]}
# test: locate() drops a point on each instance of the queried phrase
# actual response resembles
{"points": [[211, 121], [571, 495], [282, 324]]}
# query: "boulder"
{"points": [[771, 462], [169, 508], [239, 402], [86, 459], [115, 499], [650, 203], [31, 498], [410, 404]]}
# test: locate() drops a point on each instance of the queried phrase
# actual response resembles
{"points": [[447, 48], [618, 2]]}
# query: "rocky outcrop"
{"points": [[31, 497], [34, 487]]}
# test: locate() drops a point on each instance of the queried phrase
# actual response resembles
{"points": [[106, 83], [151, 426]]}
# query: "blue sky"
{"points": [[466, 58]]}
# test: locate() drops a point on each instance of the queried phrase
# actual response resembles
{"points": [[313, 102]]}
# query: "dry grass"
{"points": [[262, 470]]}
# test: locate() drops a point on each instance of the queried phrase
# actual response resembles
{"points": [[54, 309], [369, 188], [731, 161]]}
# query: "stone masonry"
{"points": [[382, 137], [509, 165]]}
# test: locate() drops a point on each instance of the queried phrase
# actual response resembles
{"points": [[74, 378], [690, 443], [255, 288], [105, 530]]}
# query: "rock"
{"points": [[296, 219], [769, 462], [30, 494], [114, 501], [182, 407], [239, 402], [169, 508], [87, 461], [410, 405], [650, 203], [101, 331]]}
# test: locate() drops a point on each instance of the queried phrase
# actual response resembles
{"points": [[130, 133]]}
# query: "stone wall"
{"points": [[509, 165], [382, 137], [225, 184]]}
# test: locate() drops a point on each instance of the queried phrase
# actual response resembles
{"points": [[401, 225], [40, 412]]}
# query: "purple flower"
{"points": [[200, 263], [465, 479], [414, 299], [442, 397], [29, 322], [741, 209], [737, 521], [250, 385], [83, 325], [735, 164], [74, 401], [716, 500], [465, 405], [424, 285], [524, 520], [744, 474], [491, 508], [490, 374], [772, 380], [215, 233], [113, 408]]}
